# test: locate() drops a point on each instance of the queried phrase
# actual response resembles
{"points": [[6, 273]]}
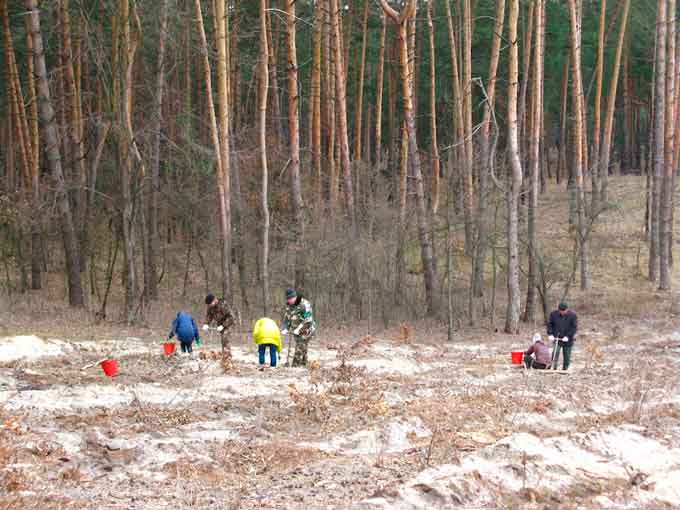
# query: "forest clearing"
{"points": [[410, 202]]}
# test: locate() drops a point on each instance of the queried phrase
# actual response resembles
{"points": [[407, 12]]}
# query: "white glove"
{"points": [[206, 327], [551, 338], [565, 339], [220, 328], [284, 331], [297, 330]]}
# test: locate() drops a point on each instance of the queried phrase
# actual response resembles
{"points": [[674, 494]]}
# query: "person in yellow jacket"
{"points": [[266, 333]]}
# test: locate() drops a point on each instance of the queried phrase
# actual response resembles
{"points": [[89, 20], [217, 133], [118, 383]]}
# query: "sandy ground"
{"points": [[380, 424]]}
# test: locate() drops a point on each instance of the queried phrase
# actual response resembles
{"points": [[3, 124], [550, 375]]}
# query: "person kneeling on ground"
{"points": [[541, 354], [299, 318], [266, 333], [184, 326], [562, 325]]}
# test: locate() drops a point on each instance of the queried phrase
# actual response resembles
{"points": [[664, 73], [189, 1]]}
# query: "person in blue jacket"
{"points": [[184, 326]]}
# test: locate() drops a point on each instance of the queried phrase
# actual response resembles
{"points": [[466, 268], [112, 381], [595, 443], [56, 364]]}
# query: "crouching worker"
{"points": [[184, 326], [220, 315], [541, 354], [298, 318], [266, 334]]}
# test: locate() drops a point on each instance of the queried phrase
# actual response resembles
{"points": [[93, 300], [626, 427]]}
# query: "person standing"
{"points": [[266, 334], [184, 327], [562, 328], [298, 318], [221, 315]]}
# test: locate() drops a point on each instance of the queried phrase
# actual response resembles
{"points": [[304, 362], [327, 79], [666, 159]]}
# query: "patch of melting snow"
{"points": [[554, 464], [30, 347], [396, 365], [397, 436], [76, 398]]}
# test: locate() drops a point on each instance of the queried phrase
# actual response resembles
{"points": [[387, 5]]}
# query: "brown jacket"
{"points": [[541, 351], [220, 315]]}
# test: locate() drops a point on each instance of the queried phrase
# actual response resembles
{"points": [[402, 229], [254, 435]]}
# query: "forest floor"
{"points": [[400, 419]]}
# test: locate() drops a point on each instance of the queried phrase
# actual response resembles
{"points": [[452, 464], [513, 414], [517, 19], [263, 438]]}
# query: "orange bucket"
{"points": [[110, 367], [169, 348], [517, 357]]}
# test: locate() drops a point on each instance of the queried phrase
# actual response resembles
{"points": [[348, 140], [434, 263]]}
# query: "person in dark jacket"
{"points": [[541, 354], [184, 326], [562, 328]]}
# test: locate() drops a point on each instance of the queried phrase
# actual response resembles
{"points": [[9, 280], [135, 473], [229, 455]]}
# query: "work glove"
{"points": [[206, 327], [220, 328], [551, 338], [297, 330], [565, 339], [284, 331], [199, 342]]}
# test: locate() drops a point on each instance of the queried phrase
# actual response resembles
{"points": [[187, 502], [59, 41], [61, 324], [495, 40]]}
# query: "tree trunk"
{"points": [[433, 115], [70, 238], [264, 85], [578, 102], [665, 205], [427, 258], [360, 87], [316, 105], [597, 171], [535, 162], [155, 182], [564, 102], [379, 92], [605, 154], [224, 178], [486, 156], [459, 123], [294, 134], [512, 315], [659, 138]]}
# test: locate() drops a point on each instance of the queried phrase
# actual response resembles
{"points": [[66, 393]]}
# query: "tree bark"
{"points": [[70, 238], [535, 162], [433, 115], [294, 134], [513, 310], [597, 172], [379, 92], [659, 138], [605, 153], [665, 206], [360, 87], [264, 85], [579, 137], [316, 105], [427, 258], [482, 244]]}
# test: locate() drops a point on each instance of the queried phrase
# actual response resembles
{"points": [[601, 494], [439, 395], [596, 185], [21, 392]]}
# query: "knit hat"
{"points": [[209, 299], [291, 293], [563, 306], [537, 337]]}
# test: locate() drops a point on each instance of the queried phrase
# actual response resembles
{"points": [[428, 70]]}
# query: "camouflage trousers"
{"points": [[226, 346], [300, 358]]}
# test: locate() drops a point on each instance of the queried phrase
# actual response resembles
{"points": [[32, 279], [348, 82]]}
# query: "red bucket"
{"points": [[110, 367], [169, 348], [517, 357]]}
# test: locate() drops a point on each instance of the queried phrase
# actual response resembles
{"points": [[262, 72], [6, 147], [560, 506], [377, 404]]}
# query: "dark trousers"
{"points": [[530, 362], [186, 346], [566, 356], [262, 349]]}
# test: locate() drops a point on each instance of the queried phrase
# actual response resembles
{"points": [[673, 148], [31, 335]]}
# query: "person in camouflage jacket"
{"points": [[298, 319], [219, 314]]}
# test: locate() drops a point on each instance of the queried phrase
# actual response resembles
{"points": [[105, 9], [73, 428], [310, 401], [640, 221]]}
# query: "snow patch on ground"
{"points": [[553, 464], [396, 436], [402, 366], [30, 347]]}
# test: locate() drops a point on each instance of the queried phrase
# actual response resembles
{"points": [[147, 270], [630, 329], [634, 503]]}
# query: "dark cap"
{"points": [[291, 293], [563, 306], [209, 299]]}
